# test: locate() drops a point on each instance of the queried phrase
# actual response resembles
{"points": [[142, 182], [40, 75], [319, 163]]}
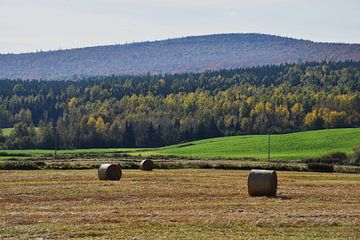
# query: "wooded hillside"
{"points": [[190, 54], [156, 110]]}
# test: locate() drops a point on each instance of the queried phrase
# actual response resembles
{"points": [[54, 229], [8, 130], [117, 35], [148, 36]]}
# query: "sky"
{"points": [[34, 25]]}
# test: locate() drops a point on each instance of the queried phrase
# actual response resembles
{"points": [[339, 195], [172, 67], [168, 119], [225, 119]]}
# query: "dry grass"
{"points": [[176, 204]]}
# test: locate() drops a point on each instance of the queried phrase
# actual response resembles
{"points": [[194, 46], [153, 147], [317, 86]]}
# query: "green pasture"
{"points": [[292, 146]]}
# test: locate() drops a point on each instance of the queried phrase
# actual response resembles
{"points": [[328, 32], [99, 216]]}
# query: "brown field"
{"points": [[176, 204]]}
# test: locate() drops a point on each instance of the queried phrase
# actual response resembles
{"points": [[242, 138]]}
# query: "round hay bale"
{"points": [[147, 165], [109, 172], [262, 183]]}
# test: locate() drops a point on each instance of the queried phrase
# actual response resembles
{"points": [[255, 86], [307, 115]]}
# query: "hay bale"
{"points": [[262, 183], [147, 165], [109, 172]]}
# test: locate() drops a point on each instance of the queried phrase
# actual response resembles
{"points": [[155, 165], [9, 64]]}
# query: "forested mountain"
{"points": [[154, 110], [190, 54]]}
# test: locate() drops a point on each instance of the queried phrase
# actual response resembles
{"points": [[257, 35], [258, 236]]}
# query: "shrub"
{"points": [[202, 165], [338, 158], [355, 159], [68, 166], [7, 154], [130, 165], [170, 165], [3, 146], [320, 167], [228, 167], [22, 165]]}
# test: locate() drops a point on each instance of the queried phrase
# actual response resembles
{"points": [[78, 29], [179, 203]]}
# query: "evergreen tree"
{"points": [[129, 136]]}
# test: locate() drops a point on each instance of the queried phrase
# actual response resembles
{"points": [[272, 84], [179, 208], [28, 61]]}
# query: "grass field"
{"points": [[293, 146], [74, 151], [176, 204]]}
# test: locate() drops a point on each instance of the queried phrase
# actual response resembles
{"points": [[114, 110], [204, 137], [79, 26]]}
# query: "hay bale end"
{"points": [[147, 165], [262, 183], [111, 172]]}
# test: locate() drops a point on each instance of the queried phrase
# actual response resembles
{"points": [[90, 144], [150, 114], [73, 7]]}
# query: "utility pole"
{"points": [[55, 141], [269, 132]]}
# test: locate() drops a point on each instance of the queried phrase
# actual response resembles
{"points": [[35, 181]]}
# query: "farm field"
{"points": [[292, 146], [40, 152], [176, 204]]}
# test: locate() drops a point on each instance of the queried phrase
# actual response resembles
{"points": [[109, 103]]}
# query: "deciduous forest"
{"points": [[156, 110]]}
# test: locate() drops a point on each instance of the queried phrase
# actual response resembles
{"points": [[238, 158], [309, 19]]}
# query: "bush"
{"points": [[22, 165], [68, 166], [7, 154], [169, 165], [3, 146], [228, 167], [130, 165], [320, 167], [355, 159], [202, 165], [338, 158]]}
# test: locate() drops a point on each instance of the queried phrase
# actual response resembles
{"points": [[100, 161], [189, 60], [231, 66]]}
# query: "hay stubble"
{"points": [[183, 204]]}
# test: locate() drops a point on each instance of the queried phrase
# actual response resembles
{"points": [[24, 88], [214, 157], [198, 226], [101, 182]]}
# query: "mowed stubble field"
{"points": [[176, 204]]}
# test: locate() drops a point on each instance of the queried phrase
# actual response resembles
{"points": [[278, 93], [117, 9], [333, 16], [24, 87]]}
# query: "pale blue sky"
{"points": [[31, 25]]}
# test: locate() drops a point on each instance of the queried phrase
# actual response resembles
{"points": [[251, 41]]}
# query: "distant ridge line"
{"points": [[176, 55]]}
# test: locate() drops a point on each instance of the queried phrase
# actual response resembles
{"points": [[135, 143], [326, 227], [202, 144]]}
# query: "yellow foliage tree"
{"points": [[91, 121], [334, 119], [100, 125], [72, 102], [314, 119]]}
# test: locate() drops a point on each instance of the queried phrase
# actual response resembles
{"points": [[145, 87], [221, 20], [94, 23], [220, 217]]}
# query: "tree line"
{"points": [[157, 110]]}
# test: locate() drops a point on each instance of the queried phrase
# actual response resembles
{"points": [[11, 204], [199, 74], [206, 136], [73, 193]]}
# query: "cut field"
{"points": [[176, 204]]}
